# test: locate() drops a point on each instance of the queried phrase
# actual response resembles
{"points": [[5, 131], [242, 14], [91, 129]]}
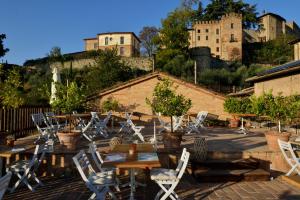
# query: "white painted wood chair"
{"points": [[177, 124], [98, 125], [97, 158], [45, 130], [99, 183], [137, 130], [89, 132], [4, 182], [125, 126], [194, 126], [81, 122], [25, 169], [290, 156], [53, 122], [168, 179], [103, 123]]}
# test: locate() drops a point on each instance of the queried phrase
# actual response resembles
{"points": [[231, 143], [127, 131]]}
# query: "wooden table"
{"points": [[242, 128], [6, 153], [144, 158]]}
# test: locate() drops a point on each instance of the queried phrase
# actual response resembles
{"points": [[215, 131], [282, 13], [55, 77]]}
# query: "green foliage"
{"points": [[167, 102], [217, 8], [110, 104], [238, 105], [276, 51], [68, 98], [11, 90], [109, 70], [278, 108], [3, 50], [146, 36]]}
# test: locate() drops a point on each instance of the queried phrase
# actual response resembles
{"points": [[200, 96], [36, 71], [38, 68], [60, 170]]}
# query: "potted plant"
{"points": [[279, 109], [68, 99], [168, 103], [237, 106]]}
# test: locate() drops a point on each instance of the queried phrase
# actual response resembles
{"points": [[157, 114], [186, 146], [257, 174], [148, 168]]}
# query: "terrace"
{"points": [[226, 147]]}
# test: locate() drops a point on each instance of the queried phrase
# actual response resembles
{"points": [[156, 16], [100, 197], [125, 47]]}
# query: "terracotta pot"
{"points": [[69, 139], [172, 140], [272, 139], [234, 123]]}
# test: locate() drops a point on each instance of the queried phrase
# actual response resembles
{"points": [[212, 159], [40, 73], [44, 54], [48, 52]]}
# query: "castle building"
{"points": [[274, 25], [224, 37], [127, 43]]}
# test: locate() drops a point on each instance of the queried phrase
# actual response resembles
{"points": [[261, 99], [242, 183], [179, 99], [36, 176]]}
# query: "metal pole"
{"points": [[195, 72]]}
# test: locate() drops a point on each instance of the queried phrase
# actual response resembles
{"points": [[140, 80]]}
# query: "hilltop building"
{"points": [[223, 37], [226, 36], [127, 43]]}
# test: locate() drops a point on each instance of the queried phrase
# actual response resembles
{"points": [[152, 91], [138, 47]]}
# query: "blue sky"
{"points": [[33, 27]]}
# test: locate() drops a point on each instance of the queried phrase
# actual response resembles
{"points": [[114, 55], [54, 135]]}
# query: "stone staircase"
{"points": [[224, 170]]}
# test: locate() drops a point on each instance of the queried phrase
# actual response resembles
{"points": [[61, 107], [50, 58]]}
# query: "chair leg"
{"points": [[291, 170]]}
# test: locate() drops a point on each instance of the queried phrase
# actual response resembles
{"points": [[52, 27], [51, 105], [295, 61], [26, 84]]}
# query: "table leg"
{"points": [[133, 183], [1, 167], [242, 128]]}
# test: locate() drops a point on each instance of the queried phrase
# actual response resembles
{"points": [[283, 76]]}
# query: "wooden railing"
{"points": [[18, 121]]}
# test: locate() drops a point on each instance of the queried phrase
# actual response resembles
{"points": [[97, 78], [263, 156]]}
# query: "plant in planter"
{"points": [[168, 103], [110, 104], [68, 99], [279, 109], [237, 106]]}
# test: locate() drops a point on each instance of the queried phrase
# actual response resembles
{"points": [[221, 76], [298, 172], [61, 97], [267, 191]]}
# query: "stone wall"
{"points": [[143, 63]]}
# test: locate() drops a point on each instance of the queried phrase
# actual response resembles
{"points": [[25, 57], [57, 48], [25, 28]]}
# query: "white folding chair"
{"points": [[177, 124], [99, 161], [99, 183], [290, 156], [137, 130], [25, 169], [80, 121], [168, 179], [125, 126], [53, 122], [103, 123], [194, 126], [4, 182], [89, 132], [98, 125], [45, 130]]}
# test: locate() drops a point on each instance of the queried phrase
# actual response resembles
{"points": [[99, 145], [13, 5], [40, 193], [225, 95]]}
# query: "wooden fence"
{"points": [[18, 121]]}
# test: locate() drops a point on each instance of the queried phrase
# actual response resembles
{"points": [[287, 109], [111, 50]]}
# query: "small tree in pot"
{"points": [[168, 103], [279, 109], [68, 99]]}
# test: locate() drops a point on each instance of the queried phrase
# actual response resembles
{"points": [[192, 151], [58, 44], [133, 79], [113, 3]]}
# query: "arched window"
{"points": [[106, 40]]}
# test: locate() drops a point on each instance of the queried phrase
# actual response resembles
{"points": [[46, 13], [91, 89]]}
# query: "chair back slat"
{"points": [[287, 151], [4, 182], [182, 163], [96, 155], [39, 121], [83, 165], [107, 118]]}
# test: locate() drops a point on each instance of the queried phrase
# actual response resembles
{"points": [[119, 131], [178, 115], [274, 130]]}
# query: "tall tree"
{"points": [[189, 3], [216, 8], [3, 50], [146, 36]]}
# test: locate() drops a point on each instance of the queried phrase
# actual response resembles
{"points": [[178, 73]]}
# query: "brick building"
{"points": [[223, 37], [127, 43], [132, 95]]}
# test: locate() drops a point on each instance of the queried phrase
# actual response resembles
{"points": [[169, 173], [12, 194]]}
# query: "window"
{"points": [[198, 37], [217, 41], [232, 38], [106, 40], [232, 25], [218, 57], [206, 37], [218, 49], [121, 40], [206, 30], [217, 31], [122, 51], [199, 31], [96, 45]]}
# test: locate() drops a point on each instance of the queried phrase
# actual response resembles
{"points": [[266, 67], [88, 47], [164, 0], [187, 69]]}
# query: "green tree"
{"points": [[11, 90], [68, 98], [167, 102], [3, 50], [146, 36], [217, 8]]}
